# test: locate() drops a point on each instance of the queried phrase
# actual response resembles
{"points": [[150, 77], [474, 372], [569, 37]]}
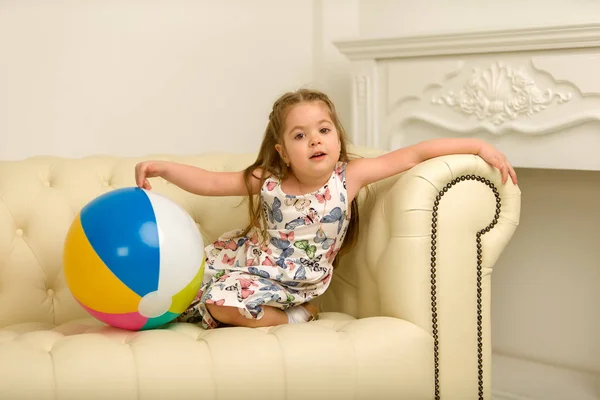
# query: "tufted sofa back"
{"points": [[40, 196]]}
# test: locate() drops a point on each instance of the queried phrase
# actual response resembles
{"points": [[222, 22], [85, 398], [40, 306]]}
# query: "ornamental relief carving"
{"points": [[500, 93]]}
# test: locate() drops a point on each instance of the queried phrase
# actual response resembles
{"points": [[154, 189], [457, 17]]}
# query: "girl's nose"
{"points": [[315, 140]]}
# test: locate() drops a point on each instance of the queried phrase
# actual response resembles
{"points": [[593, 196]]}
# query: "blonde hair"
{"points": [[271, 164]]}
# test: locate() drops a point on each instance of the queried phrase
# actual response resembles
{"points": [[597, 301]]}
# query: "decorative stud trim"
{"points": [[436, 355]]}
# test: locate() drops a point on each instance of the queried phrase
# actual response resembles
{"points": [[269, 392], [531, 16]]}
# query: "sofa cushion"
{"points": [[335, 357]]}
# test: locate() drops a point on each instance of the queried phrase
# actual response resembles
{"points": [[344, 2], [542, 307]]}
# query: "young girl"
{"points": [[307, 213]]}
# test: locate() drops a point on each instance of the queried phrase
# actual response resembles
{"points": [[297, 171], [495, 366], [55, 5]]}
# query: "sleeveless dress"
{"points": [[292, 266]]}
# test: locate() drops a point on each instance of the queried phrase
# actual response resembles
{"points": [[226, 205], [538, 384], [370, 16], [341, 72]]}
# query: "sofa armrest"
{"points": [[448, 221]]}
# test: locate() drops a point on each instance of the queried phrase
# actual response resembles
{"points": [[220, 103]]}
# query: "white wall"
{"points": [[401, 17], [135, 77], [546, 285]]}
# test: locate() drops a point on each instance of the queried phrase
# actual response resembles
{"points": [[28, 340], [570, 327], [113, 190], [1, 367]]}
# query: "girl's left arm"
{"points": [[364, 171]]}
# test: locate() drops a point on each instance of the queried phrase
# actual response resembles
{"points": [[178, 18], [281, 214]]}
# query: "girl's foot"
{"points": [[301, 313], [314, 313]]}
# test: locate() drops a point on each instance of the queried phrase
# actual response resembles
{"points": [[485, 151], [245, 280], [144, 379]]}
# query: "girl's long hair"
{"points": [[271, 164]]}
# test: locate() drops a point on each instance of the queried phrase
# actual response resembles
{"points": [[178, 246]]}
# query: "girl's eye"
{"points": [[325, 130], [299, 136]]}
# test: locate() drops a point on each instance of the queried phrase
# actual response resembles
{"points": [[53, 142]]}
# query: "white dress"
{"points": [[293, 266]]}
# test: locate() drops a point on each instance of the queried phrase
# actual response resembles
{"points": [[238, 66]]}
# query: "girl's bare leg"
{"points": [[231, 316]]}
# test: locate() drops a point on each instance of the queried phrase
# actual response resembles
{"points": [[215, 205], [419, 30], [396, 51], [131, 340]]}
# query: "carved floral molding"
{"points": [[500, 93]]}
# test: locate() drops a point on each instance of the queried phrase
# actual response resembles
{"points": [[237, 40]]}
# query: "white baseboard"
{"points": [[498, 395], [518, 379]]}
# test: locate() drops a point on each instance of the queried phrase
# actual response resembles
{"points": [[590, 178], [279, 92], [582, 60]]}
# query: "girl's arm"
{"points": [[196, 180], [364, 171]]}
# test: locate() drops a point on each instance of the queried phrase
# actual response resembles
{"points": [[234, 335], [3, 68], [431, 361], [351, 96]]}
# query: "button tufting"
{"points": [[19, 232], [47, 184], [50, 292]]}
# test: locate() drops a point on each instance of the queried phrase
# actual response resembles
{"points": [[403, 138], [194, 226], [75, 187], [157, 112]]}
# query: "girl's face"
{"points": [[311, 143]]}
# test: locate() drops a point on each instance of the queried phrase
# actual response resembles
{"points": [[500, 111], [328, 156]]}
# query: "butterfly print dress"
{"points": [[294, 264]]}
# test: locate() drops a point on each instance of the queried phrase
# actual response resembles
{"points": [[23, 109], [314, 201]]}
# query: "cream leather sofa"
{"points": [[379, 335]]}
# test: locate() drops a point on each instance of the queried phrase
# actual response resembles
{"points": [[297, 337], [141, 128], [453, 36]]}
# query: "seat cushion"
{"points": [[335, 357]]}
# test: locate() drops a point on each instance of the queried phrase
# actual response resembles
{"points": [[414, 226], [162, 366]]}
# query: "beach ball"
{"points": [[134, 259]]}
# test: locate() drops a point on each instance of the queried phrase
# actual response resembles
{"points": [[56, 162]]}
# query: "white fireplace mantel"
{"points": [[533, 93]]}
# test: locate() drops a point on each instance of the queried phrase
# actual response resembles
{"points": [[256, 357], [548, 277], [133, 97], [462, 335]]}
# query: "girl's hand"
{"points": [[145, 170], [495, 158]]}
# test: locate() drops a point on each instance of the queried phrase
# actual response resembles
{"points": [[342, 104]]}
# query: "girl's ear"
{"points": [[281, 150]]}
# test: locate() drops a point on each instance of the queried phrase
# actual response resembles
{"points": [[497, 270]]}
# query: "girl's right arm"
{"points": [[196, 180]]}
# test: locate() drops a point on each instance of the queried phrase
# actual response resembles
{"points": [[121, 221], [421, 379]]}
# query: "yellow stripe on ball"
{"points": [[90, 280], [182, 300]]}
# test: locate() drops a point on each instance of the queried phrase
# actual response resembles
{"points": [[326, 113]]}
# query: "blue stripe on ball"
{"points": [[121, 227]]}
